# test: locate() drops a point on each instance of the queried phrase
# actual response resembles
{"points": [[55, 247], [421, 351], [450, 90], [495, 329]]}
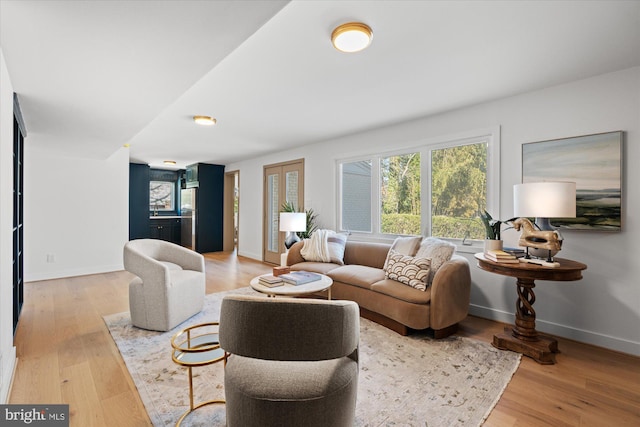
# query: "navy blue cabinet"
{"points": [[138, 201], [209, 186]]}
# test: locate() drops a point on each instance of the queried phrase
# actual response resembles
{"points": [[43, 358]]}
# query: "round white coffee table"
{"points": [[324, 284]]}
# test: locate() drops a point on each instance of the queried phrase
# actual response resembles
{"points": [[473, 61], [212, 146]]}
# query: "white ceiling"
{"points": [[94, 75]]}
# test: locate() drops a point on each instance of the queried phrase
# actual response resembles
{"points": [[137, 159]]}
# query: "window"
{"points": [[356, 196], [162, 195], [437, 189], [400, 194], [163, 186]]}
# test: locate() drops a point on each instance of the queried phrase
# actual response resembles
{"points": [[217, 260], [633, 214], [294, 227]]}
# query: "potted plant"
{"points": [[492, 231], [311, 219]]}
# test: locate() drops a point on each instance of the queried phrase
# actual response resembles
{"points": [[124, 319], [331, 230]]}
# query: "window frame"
{"points": [[174, 197], [425, 148]]}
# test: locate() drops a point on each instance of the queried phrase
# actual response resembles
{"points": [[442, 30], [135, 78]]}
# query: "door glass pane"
{"points": [[356, 196], [272, 213], [400, 194], [291, 191]]}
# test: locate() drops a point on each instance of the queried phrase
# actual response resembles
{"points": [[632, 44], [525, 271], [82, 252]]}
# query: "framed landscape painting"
{"points": [[594, 163]]}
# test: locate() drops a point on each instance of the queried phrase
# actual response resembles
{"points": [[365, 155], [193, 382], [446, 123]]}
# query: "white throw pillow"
{"points": [[407, 245], [438, 251], [408, 270]]}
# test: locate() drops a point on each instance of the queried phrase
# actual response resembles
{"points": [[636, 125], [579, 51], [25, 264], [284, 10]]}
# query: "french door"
{"points": [[283, 182]]}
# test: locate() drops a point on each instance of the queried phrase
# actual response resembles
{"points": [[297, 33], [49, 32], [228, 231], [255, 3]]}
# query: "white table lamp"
{"points": [[542, 201], [291, 222]]}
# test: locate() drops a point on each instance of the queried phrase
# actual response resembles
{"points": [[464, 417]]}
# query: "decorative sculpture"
{"points": [[549, 240]]}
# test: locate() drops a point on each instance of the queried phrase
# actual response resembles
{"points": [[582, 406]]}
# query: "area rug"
{"points": [[403, 381]]}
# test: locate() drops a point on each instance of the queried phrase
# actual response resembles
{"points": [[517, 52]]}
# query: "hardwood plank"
{"points": [[66, 355], [78, 390]]}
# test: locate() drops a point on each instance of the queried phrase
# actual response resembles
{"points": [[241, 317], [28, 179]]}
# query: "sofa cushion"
{"points": [[402, 292], [438, 251], [316, 267], [366, 253], [408, 270], [357, 275]]}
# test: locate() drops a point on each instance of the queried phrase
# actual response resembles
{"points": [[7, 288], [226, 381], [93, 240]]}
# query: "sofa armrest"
{"points": [[450, 293], [294, 256]]}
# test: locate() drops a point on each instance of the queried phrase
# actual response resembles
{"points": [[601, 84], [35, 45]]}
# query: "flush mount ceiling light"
{"points": [[204, 120], [170, 162], [351, 37]]}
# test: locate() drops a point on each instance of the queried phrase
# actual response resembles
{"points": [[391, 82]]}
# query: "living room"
{"points": [[86, 233]]}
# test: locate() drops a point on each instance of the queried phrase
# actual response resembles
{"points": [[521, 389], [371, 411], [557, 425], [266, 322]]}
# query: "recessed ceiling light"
{"points": [[170, 162], [204, 120], [351, 37]]}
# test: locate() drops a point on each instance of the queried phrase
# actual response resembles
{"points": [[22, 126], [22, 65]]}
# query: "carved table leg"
{"points": [[523, 337], [525, 328]]}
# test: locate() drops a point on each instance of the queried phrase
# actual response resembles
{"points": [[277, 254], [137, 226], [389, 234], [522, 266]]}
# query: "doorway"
{"points": [[231, 223], [283, 182]]}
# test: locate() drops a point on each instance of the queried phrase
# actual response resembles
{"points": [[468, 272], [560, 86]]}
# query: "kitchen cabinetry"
{"points": [[165, 229], [138, 201], [208, 182]]}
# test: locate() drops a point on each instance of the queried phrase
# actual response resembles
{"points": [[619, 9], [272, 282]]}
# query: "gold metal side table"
{"points": [[197, 345]]}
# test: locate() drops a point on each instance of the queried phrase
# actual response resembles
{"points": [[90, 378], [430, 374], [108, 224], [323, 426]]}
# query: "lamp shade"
{"points": [[545, 200], [293, 221]]}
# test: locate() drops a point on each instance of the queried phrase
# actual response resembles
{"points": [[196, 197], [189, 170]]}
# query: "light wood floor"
{"points": [[66, 355]]}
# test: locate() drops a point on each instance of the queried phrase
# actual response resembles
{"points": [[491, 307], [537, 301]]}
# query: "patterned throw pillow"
{"points": [[412, 271], [336, 243]]}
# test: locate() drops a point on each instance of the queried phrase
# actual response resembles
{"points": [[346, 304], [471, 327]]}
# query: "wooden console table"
{"points": [[523, 337]]}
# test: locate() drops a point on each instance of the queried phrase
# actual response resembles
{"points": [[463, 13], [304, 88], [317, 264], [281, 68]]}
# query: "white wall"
{"points": [[7, 350], [604, 307], [76, 213]]}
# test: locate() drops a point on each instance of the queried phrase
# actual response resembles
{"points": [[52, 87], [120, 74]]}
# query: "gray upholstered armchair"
{"points": [[293, 362], [170, 286]]}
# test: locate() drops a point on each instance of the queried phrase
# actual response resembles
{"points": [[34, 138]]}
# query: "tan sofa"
{"points": [[390, 303]]}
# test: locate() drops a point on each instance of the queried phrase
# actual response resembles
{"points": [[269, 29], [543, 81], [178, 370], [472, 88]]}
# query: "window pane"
{"points": [[356, 196], [272, 212], [458, 191], [291, 184], [161, 195], [400, 194]]}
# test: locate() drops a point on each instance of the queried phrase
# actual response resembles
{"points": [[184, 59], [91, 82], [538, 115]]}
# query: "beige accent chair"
{"points": [[170, 286], [293, 362]]}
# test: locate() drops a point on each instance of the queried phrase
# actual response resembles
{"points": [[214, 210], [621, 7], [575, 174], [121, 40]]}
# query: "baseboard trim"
{"points": [[588, 337], [49, 275], [257, 257], [8, 375]]}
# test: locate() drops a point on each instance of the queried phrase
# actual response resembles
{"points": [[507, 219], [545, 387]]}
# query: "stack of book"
{"points": [[517, 252], [300, 277], [270, 281], [500, 256]]}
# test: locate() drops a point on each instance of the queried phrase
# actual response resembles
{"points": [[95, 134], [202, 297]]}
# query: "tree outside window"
{"points": [[453, 180], [458, 191], [400, 194], [161, 195]]}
